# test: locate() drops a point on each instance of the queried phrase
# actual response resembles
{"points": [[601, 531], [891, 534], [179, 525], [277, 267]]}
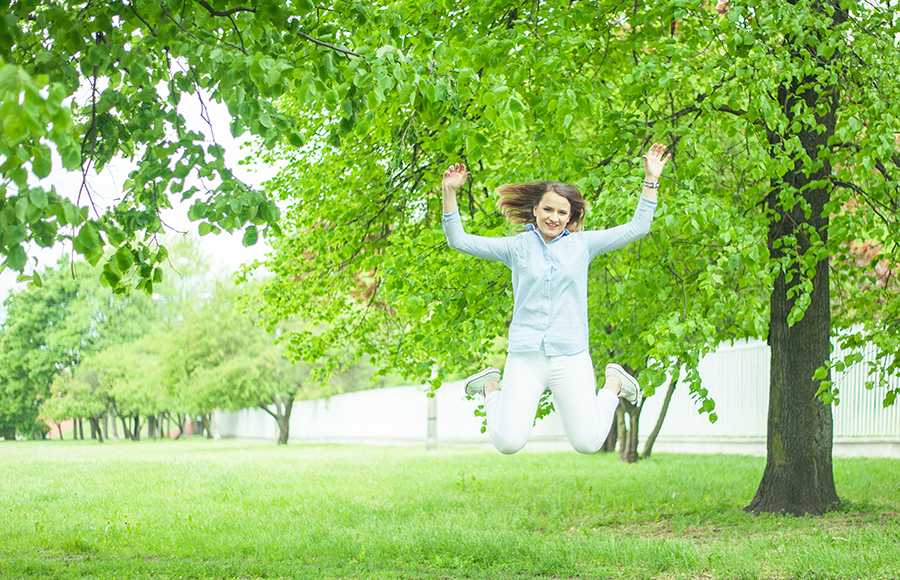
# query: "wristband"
{"points": [[651, 184]]}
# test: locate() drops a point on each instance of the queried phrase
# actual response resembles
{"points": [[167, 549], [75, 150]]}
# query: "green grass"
{"points": [[203, 509]]}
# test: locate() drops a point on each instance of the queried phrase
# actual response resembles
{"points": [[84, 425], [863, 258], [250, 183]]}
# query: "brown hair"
{"points": [[517, 201]]}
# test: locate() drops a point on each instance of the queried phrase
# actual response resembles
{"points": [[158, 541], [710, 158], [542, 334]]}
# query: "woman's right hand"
{"points": [[454, 177]]}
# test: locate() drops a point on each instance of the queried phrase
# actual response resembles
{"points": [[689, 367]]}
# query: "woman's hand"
{"points": [[454, 177], [654, 162]]}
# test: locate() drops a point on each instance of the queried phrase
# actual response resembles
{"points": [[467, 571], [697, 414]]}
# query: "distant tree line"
{"points": [[138, 364]]}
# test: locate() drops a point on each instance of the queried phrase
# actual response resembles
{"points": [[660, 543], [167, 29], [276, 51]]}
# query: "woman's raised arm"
{"points": [[454, 178]]}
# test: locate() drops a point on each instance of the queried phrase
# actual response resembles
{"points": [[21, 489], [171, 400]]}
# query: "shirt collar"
{"points": [[531, 228]]}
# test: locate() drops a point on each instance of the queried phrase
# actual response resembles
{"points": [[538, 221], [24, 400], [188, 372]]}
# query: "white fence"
{"points": [[736, 376]]}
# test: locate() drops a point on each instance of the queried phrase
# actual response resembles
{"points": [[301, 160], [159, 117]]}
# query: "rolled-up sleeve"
{"points": [[497, 249]]}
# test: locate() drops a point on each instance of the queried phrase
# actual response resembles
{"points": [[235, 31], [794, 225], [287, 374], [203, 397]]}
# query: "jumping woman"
{"points": [[548, 337]]}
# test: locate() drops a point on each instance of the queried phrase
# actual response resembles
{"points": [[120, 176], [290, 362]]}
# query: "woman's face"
{"points": [[552, 214]]}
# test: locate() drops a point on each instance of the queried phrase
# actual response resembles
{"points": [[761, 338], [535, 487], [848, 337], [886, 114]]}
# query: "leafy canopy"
{"points": [[555, 90]]}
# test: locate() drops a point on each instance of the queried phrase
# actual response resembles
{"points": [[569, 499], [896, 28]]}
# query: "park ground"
{"points": [[231, 509]]}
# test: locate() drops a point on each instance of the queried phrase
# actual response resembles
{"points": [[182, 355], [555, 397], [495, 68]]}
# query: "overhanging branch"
{"points": [[331, 46], [226, 13]]}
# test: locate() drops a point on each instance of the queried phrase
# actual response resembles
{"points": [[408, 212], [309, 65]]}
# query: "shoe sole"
{"points": [[623, 375], [475, 384]]}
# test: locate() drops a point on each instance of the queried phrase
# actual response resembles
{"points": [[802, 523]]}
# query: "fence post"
{"points": [[431, 441]]}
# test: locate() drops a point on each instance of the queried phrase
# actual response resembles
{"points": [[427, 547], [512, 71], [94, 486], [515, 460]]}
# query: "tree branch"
{"points": [[331, 46], [227, 13], [189, 33], [265, 408], [683, 291], [864, 195], [141, 18], [895, 158]]}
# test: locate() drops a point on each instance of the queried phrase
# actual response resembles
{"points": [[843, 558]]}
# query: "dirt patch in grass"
{"points": [[667, 526]]}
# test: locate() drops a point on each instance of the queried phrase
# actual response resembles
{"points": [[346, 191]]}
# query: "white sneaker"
{"points": [[475, 383], [631, 390]]}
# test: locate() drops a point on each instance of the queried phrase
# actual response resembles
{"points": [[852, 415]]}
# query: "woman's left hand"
{"points": [[654, 161]]}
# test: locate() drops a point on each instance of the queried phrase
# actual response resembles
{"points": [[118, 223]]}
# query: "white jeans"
{"points": [[586, 416]]}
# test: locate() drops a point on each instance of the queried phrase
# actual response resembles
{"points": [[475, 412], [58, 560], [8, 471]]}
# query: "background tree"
{"points": [[50, 330], [129, 376], [30, 358]]}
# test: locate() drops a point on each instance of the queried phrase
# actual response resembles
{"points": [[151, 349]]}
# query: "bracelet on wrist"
{"points": [[651, 184]]}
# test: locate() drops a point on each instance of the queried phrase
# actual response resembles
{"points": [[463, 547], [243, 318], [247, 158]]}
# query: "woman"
{"points": [[548, 336]]}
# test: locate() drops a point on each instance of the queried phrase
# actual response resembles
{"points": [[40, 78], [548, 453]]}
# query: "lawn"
{"points": [[228, 509]]}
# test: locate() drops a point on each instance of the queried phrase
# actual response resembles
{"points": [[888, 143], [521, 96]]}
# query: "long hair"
{"points": [[517, 202]]}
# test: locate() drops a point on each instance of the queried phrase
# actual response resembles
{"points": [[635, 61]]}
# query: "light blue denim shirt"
{"points": [[549, 279]]}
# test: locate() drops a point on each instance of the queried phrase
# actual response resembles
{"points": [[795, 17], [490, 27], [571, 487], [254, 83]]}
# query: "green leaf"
{"points": [[16, 258], [123, 259], [38, 197], [42, 162], [250, 236]]}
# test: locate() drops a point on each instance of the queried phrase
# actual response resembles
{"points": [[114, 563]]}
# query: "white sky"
{"points": [[226, 250]]}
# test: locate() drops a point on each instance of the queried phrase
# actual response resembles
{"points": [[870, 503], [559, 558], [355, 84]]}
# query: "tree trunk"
{"points": [[798, 478], [630, 443], [648, 445], [613, 438], [95, 428], [181, 419], [283, 405], [151, 426], [207, 427], [59, 428], [125, 430], [136, 435], [104, 425], [621, 431], [284, 424], [80, 429], [114, 429]]}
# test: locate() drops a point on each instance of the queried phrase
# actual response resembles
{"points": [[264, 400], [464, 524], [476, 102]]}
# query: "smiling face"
{"points": [[552, 214]]}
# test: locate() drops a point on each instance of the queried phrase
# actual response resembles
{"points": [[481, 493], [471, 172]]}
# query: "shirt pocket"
{"points": [[568, 256], [532, 259]]}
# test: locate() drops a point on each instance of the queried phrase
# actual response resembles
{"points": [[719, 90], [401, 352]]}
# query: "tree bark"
{"points": [[630, 444], [798, 478], [113, 429], [125, 429], [613, 438], [284, 424], [151, 426], [207, 427], [621, 431], [136, 434], [181, 420], [95, 428], [648, 445]]}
